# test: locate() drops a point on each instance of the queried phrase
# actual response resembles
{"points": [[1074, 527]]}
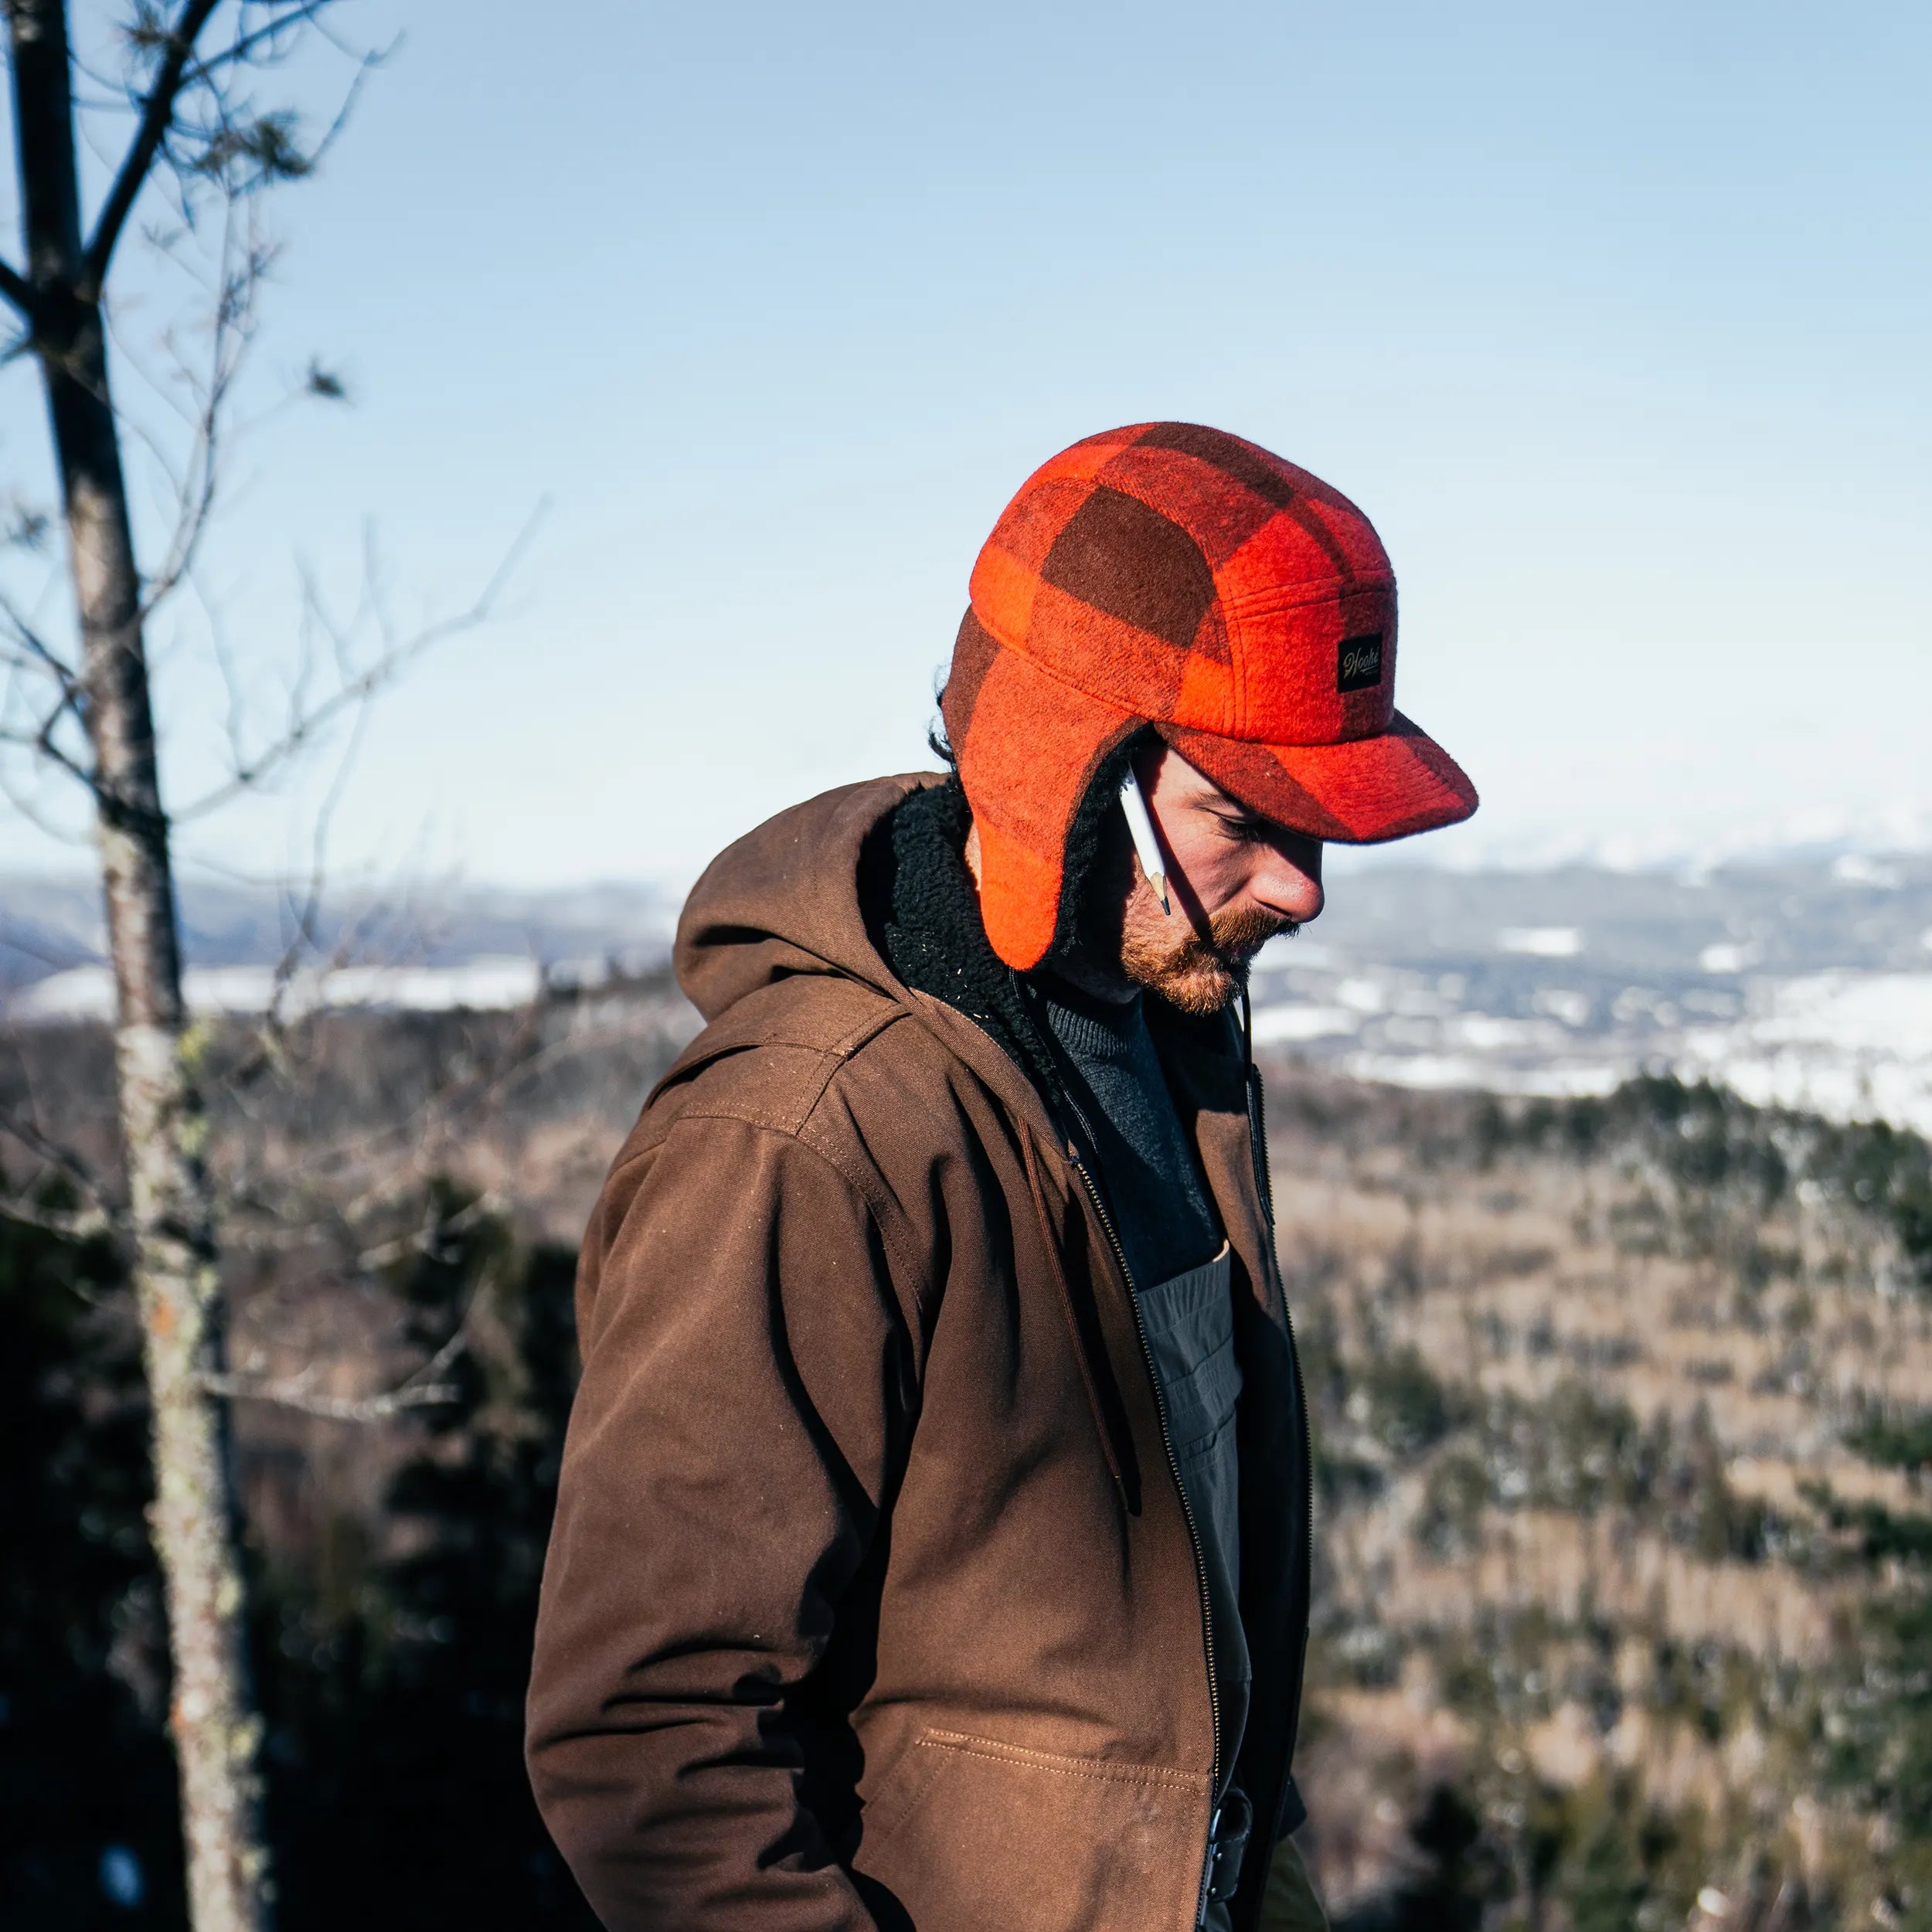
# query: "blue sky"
{"points": [[1614, 320]]}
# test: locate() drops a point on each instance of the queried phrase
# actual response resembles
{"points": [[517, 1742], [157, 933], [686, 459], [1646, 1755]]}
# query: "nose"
{"points": [[1288, 882]]}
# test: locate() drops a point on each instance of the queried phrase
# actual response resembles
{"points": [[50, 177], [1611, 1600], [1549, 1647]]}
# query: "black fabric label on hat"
{"points": [[1358, 662]]}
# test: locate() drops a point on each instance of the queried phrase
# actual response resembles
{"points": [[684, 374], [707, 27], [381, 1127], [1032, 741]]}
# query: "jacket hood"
{"points": [[785, 898], [789, 900]]}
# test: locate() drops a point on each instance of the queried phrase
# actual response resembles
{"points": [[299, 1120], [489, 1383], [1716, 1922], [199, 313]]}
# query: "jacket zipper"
{"points": [[1173, 1461], [1265, 1174], [1174, 1471]]}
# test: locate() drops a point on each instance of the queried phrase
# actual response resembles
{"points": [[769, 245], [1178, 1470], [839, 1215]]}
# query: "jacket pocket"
{"points": [[904, 1787], [979, 1833]]}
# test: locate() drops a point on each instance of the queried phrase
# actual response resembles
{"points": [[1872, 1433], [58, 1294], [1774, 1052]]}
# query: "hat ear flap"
{"points": [[1031, 750], [1031, 887], [1019, 889], [1097, 835]]}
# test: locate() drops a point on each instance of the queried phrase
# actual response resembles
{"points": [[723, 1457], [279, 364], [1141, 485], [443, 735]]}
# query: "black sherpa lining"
{"points": [[926, 914], [925, 909]]}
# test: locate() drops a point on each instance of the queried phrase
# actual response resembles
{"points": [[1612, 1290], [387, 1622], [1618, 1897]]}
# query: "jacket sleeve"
{"points": [[746, 1394]]}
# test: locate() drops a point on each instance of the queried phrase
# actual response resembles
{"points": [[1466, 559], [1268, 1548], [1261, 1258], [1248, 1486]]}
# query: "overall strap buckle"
{"points": [[1229, 1830]]}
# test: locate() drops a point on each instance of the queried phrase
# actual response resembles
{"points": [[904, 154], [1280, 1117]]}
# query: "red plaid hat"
{"points": [[1174, 576]]}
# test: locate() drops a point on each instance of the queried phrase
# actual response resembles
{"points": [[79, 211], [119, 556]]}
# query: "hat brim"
{"points": [[1362, 792]]}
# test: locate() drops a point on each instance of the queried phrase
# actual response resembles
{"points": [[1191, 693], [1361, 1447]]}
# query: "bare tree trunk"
{"points": [[217, 1732]]}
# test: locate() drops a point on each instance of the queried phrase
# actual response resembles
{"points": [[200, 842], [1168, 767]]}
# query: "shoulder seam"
{"points": [[703, 1051], [872, 1200], [833, 1056]]}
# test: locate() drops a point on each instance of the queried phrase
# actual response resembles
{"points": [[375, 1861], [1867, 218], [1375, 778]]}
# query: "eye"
{"points": [[1240, 827]]}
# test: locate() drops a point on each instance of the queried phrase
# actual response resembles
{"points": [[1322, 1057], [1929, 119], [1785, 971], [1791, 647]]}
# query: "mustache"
{"points": [[1236, 936]]}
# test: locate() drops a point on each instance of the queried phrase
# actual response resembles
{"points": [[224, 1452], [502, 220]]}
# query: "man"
{"points": [[932, 1544]]}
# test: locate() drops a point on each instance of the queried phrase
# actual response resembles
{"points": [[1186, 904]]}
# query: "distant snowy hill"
{"points": [[1805, 979], [476, 947]]}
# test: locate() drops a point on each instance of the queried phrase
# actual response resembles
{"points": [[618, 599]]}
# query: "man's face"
{"points": [[1234, 881]]}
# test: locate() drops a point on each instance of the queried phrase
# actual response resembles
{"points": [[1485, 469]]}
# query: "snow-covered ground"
{"points": [[86, 992], [1847, 1045], [1805, 985]]}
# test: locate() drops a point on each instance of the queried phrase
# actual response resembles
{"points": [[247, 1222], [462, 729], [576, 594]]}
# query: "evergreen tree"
{"points": [[88, 1830], [413, 1735]]}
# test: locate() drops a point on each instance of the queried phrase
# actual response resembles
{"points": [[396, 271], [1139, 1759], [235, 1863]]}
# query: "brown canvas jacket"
{"points": [[871, 1600]]}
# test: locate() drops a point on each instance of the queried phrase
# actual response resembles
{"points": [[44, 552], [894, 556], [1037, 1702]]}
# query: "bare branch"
{"points": [[85, 1226], [41, 655], [435, 1228], [69, 703], [81, 1227], [420, 1391], [23, 527], [308, 913], [62, 835], [61, 1160], [39, 739], [157, 117], [408, 1147], [294, 1394], [366, 65], [356, 689], [37, 648], [244, 46], [243, 265], [19, 291]]}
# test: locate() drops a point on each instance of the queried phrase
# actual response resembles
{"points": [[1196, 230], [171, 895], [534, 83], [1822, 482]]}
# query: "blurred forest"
{"points": [[1624, 1422], [1624, 1412]]}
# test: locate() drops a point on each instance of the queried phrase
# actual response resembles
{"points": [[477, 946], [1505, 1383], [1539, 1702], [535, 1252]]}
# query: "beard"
{"points": [[1199, 974], [1121, 929]]}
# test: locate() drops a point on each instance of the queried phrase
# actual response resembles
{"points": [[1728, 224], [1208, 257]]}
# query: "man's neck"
{"points": [[1111, 984]]}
